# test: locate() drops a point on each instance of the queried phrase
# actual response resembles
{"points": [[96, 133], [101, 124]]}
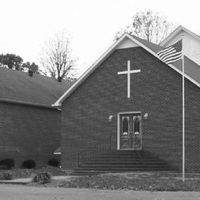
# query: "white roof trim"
{"points": [[176, 31], [103, 57]]}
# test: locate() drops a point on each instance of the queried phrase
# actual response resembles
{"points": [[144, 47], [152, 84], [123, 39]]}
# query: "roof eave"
{"points": [[11, 101], [176, 31], [171, 35]]}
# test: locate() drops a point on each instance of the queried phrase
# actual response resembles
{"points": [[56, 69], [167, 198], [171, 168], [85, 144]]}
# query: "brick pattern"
{"points": [[156, 91], [28, 132]]}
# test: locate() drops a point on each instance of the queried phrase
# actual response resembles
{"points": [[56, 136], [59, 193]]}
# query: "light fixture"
{"points": [[110, 118], [146, 115]]}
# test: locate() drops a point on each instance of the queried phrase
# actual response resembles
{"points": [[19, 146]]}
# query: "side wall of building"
{"points": [[28, 132], [156, 91]]}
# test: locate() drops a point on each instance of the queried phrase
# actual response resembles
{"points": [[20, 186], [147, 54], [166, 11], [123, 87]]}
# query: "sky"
{"points": [[89, 24]]}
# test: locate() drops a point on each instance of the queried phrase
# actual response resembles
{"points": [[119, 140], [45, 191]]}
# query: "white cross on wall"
{"points": [[129, 72]]}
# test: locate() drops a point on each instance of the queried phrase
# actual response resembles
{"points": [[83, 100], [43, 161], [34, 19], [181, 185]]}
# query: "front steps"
{"points": [[121, 161]]}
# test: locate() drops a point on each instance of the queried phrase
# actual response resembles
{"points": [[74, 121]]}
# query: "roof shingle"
{"points": [[18, 86]]}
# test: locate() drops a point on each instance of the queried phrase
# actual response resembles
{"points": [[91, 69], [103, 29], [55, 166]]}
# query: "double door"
{"points": [[130, 131]]}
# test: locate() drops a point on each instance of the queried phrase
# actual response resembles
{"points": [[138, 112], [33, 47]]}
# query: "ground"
{"points": [[18, 192], [135, 181]]}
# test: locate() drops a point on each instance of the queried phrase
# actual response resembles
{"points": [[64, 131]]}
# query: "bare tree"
{"points": [[148, 25], [56, 58]]}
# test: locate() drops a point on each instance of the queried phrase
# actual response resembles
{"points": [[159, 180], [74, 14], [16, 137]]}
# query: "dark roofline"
{"points": [[27, 104]]}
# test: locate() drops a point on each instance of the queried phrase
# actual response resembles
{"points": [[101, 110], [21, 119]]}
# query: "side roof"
{"points": [[148, 46], [19, 87], [176, 31]]}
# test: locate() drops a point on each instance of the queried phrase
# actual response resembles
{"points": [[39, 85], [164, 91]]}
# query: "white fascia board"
{"points": [[175, 32], [171, 35], [104, 56], [191, 33]]}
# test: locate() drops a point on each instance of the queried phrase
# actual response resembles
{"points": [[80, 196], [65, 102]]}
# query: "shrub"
{"points": [[42, 178], [53, 162], [7, 163], [29, 164], [6, 176]]}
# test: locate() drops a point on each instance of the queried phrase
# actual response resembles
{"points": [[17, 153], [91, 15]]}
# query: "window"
{"points": [[125, 125], [137, 125]]}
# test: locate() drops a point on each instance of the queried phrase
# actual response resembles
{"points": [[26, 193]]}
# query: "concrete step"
{"points": [[86, 172], [156, 167], [119, 161], [123, 162], [91, 171]]}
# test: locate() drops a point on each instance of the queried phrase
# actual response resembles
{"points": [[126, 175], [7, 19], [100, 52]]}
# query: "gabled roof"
{"points": [[154, 47], [17, 86], [148, 46], [176, 31]]}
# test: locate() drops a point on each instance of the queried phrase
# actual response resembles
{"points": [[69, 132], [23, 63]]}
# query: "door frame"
{"points": [[118, 128]]}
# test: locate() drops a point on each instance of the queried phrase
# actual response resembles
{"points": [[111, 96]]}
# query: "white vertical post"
{"points": [[128, 79], [183, 118]]}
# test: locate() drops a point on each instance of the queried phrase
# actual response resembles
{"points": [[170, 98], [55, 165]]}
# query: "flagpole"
{"points": [[167, 55], [183, 119]]}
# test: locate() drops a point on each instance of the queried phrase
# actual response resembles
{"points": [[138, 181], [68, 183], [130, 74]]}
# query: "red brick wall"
{"points": [[156, 91], [28, 132]]}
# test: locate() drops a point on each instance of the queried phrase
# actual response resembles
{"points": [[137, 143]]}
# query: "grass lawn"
{"points": [[149, 181], [137, 181]]}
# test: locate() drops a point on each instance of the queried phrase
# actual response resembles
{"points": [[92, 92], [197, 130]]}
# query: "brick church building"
{"points": [[129, 103]]}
